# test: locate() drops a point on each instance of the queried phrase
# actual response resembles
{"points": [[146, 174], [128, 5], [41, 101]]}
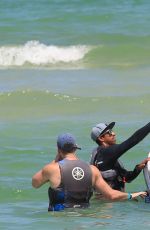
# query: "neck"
{"points": [[71, 156], [105, 144]]}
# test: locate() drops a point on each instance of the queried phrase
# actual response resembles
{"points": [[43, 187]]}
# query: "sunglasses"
{"points": [[109, 131]]}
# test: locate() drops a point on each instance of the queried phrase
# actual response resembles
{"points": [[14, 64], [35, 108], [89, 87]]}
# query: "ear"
{"points": [[101, 139]]}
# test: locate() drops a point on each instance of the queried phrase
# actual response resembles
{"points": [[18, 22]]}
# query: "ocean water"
{"points": [[65, 66]]}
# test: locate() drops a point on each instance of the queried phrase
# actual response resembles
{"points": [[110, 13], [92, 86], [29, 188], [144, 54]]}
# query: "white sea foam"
{"points": [[36, 53]]}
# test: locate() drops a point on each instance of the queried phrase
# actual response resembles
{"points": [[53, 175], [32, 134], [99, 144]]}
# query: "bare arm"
{"points": [[40, 178], [107, 191]]}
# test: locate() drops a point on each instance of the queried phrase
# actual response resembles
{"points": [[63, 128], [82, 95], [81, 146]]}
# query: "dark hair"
{"points": [[68, 148]]}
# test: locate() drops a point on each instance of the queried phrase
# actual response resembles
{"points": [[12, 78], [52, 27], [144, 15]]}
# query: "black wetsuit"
{"points": [[75, 188], [106, 160]]}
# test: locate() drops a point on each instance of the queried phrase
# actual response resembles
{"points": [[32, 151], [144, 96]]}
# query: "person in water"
{"points": [[72, 180], [105, 156]]}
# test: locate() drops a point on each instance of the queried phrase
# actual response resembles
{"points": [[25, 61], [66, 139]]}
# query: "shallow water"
{"points": [[65, 66]]}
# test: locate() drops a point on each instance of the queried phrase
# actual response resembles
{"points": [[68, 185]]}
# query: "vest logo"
{"points": [[78, 173]]}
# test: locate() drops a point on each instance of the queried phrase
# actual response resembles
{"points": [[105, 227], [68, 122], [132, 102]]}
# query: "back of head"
{"points": [[67, 143], [100, 129]]}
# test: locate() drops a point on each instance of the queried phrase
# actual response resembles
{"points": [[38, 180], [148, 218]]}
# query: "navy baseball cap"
{"points": [[100, 128], [67, 142]]}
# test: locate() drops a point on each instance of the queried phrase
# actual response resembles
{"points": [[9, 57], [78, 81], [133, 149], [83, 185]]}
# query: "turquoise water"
{"points": [[74, 34], [64, 66]]}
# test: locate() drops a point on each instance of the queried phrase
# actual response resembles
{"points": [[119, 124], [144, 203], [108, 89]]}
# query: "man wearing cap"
{"points": [[105, 156], [72, 180]]}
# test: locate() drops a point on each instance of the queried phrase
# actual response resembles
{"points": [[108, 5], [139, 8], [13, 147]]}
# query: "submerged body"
{"points": [[74, 179]]}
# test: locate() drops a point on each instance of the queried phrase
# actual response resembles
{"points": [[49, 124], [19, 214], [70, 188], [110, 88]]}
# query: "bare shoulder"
{"points": [[50, 168], [44, 175], [94, 169]]}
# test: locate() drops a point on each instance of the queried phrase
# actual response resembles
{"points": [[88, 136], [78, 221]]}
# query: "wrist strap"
{"points": [[129, 196]]}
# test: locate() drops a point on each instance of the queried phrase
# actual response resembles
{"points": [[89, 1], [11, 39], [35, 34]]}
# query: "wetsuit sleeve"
{"points": [[131, 175], [117, 150], [128, 176]]}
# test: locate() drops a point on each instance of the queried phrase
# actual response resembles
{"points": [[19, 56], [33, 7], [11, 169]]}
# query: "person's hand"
{"points": [[143, 163], [58, 157], [139, 194]]}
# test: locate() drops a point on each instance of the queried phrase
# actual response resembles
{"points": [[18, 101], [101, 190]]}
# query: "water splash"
{"points": [[36, 53]]}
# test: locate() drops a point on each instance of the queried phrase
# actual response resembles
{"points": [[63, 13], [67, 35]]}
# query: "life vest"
{"points": [[111, 176], [75, 188]]}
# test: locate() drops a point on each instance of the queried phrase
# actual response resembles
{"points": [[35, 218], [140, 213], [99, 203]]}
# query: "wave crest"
{"points": [[36, 53]]}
